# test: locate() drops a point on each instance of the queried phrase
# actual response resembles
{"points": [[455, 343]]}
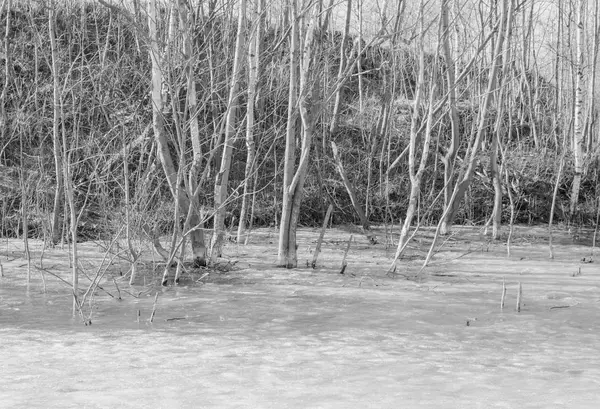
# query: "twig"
{"points": [[202, 276], [369, 277], [519, 296], [54, 275]]}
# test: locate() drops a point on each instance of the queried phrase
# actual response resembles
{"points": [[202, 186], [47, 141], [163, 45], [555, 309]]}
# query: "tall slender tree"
{"points": [[302, 100], [482, 125], [578, 119], [222, 178], [254, 51]]}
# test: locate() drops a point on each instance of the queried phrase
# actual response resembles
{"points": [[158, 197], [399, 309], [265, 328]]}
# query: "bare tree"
{"points": [[416, 174], [59, 190], [495, 173], [467, 174], [578, 119], [254, 51], [302, 97], [450, 156], [222, 178]]}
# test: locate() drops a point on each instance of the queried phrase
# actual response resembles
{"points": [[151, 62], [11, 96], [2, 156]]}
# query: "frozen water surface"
{"points": [[261, 337]]}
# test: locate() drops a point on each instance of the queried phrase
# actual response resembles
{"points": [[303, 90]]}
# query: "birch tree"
{"points": [[450, 156], [495, 173], [482, 123], [59, 189], [222, 178], [341, 77], [416, 173], [303, 91], [254, 50], [194, 185], [578, 120]]}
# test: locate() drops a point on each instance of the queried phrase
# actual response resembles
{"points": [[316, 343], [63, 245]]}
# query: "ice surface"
{"points": [[262, 337]]}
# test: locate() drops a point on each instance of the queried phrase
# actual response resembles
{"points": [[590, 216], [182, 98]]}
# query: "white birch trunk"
{"points": [[253, 76], [294, 181], [222, 179], [578, 120]]}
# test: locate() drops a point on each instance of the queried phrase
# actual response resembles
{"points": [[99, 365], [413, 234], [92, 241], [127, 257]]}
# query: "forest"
{"points": [[299, 204], [132, 120]]}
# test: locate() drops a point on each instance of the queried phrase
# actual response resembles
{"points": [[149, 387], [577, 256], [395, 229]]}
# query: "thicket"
{"points": [[104, 67]]}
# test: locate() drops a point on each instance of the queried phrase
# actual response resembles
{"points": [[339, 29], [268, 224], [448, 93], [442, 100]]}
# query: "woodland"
{"points": [[201, 120]]}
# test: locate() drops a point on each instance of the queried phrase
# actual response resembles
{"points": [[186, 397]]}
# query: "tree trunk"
{"points": [[285, 259], [59, 189], [293, 183], [222, 179], [578, 120], [341, 77], [463, 184], [495, 173], [253, 76], [352, 193], [194, 185], [416, 175], [450, 157]]}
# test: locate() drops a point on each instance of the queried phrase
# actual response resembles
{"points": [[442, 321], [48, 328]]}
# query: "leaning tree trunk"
{"points": [[416, 174], [364, 222]]}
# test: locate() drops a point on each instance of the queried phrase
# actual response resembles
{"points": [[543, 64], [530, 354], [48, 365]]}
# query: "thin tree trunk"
{"points": [[450, 157], [495, 173], [416, 174], [578, 124], [253, 76], [195, 219], [7, 71], [59, 189], [463, 184], [591, 116], [341, 77], [352, 193], [307, 102], [222, 179], [284, 257]]}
